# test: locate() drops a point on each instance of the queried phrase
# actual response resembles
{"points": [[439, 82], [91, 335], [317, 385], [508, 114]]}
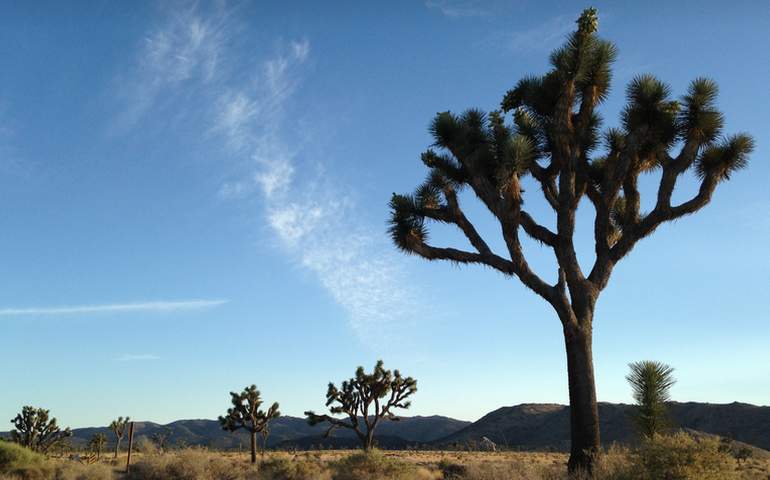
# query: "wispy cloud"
{"points": [[137, 357], [543, 37], [187, 48], [161, 306], [313, 220], [459, 8]]}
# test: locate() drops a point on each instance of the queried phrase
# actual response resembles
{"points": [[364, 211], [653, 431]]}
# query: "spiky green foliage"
{"points": [[35, 429], [549, 128], [118, 427], [246, 414], [366, 399], [651, 383]]}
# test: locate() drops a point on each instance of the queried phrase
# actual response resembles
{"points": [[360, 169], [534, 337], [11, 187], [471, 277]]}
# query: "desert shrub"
{"points": [[78, 471], [146, 446], [187, 464], [451, 470], [376, 466], [681, 457], [19, 462], [506, 470], [283, 468]]}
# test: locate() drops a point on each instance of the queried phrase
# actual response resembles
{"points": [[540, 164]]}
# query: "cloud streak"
{"points": [[159, 306], [312, 219], [137, 357]]}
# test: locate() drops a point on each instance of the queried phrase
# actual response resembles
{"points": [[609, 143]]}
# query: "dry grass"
{"points": [[672, 458]]}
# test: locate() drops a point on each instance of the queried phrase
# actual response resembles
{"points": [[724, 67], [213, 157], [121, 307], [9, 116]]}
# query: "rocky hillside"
{"points": [[546, 426]]}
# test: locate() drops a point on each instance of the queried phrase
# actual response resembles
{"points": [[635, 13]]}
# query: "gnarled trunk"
{"points": [[584, 412]]}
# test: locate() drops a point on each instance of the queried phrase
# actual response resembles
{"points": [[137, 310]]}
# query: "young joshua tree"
{"points": [[118, 427], [555, 139], [366, 399], [35, 429], [97, 443], [245, 413], [650, 383]]}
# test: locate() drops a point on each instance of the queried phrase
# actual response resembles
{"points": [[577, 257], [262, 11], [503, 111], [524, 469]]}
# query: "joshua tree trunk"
{"points": [[117, 447], [584, 412], [253, 446], [369, 440]]}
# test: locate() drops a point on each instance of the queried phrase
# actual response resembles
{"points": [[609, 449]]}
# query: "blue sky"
{"points": [[193, 198]]}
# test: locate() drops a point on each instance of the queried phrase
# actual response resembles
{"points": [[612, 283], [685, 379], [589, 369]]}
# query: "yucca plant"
{"points": [[556, 139], [651, 383]]}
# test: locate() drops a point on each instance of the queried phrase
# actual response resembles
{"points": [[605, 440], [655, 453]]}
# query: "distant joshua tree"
{"points": [[35, 429], [97, 443], [650, 383], [160, 438], [555, 139], [245, 414], [366, 399], [118, 427]]}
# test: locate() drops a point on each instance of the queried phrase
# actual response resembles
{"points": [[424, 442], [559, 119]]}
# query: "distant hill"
{"points": [[546, 426], [285, 432], [525, 427]]}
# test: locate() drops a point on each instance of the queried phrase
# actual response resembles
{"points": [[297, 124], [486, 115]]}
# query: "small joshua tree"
{"points": [[97, 443], [118, 427], [35, 429], [245, 414], [160, 438], [368, 399], [650, 383], [556, 140]]}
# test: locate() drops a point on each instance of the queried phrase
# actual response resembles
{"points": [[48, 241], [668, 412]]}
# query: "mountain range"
{"points": [[523, 427]]}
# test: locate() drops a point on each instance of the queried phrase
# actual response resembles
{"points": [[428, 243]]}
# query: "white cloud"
{"points": [[161, 306], [186, 47], [459, 8], [137, 357], [312, 219]]}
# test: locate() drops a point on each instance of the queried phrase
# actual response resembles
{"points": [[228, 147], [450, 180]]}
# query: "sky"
{"points": [[193, 198]]}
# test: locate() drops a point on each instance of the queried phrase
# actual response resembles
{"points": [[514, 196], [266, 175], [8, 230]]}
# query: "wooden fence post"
{"points": [[130, 444]]}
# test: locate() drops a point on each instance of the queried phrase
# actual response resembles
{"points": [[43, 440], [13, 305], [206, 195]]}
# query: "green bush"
{"points": [[17, 461], [283, 468], [681, 457]]}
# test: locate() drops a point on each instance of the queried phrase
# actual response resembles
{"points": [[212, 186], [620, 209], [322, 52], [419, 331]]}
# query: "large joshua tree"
{"points": [[555, 138], [366, 399], [246, 413]]}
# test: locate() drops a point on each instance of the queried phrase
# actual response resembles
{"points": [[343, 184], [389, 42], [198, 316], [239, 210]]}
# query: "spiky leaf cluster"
{"points": [[555, 131], [651, 383], [35, 429]]}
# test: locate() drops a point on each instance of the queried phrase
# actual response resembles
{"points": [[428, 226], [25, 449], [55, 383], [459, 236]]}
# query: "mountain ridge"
{"points": [[527, 426]]}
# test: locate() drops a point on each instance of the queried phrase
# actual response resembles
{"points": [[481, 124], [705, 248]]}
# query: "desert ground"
{"points": [[202, 464]]}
